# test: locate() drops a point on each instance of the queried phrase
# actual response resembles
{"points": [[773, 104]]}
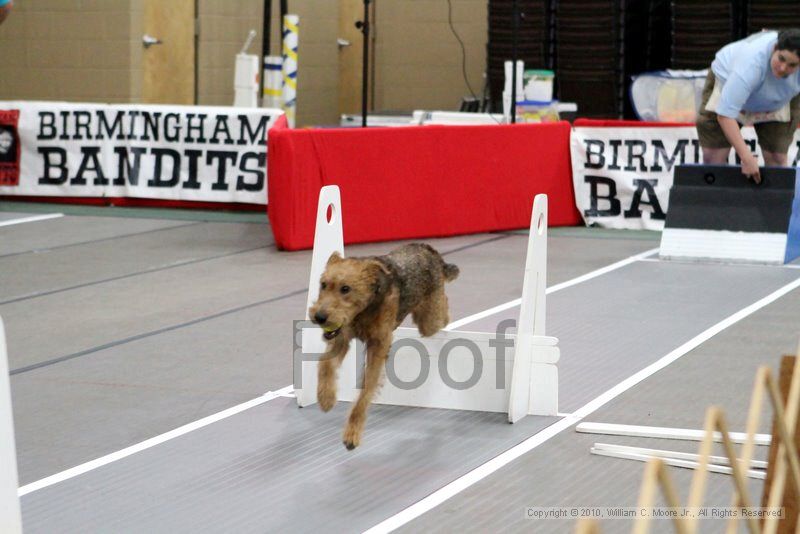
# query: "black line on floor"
{"points": [[477, 244], [59, 247], [68, 357], [129, 275]]}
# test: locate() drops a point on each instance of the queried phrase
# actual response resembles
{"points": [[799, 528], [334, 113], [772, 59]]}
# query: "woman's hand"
{"points": [[749, 162], [750, 167]]}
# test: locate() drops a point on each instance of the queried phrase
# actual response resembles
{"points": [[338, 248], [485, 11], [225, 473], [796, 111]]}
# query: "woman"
{"points": [[756, 82]]}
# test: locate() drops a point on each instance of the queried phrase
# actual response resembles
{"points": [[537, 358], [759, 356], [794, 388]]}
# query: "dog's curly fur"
{"points": [[367, 298]]}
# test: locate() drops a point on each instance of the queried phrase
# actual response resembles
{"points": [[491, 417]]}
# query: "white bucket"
{"points": [[539, 85], [245, 81]]}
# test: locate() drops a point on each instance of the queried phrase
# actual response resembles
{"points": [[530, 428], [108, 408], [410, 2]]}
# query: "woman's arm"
{"points": [[734, 136]]}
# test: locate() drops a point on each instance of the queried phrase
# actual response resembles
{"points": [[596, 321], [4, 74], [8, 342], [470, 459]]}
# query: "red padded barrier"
{"points": [[418, 181]]}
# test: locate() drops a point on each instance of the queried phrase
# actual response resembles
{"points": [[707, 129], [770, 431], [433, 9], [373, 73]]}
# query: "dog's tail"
{"points": [[450, 272]]}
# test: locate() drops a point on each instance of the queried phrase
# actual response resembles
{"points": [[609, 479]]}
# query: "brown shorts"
{"points": [[772, 136]]}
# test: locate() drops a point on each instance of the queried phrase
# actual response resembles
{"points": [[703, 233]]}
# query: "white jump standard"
{"points": [[10, 517], [481, 371]]}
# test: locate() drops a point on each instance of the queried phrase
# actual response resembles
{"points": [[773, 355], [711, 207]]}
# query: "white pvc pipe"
{"points": [[687, 464], [663, 432], [677, 455]]}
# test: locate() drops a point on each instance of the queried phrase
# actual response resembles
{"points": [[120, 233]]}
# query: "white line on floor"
{"points": [[481, 472], [152, 442], [287, 391], [32, 218], [553, 289]]}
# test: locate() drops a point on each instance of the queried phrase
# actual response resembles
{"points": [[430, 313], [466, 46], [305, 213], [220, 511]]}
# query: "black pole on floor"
{"points": [[265, 35], [284, 11], [514, 32], [363, 25]]}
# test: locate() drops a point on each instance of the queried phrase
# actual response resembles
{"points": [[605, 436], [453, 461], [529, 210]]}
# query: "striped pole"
{"points": [[273, 81], [290, 40], [10, 517]]}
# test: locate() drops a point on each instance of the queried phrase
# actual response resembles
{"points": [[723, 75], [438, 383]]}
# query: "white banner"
{"points": [[192, 153], [622, 176]]}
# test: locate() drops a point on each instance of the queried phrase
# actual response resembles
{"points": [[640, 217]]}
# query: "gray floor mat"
{"points": [[72, 409], [562, 472], [277, 468], [78, 410], [94, 316], [236, 461], [612, 326], [69, 231], [71, 267]]}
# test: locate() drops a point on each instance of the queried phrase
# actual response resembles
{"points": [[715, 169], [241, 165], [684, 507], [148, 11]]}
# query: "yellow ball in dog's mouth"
{"points": [[330, 332]]}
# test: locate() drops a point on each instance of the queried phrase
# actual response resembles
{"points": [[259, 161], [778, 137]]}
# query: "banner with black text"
{"points": [[181, 153], [622, 175]]}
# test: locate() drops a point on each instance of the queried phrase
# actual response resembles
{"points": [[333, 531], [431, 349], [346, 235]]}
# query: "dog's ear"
{"points": [[334, 259], [381, 276]]}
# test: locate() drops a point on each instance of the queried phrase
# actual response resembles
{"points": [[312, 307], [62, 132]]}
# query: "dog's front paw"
{"points": [[352, 437], [326, 398]]}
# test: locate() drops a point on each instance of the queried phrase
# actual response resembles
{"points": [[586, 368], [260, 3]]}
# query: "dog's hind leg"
{"points": [[326, 376], [377, 353], [432, 314]]}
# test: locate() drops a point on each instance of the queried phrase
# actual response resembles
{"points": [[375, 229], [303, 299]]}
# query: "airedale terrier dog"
{"points": [[367, 298]]}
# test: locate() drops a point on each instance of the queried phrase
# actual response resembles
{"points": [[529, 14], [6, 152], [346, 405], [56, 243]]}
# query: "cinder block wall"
{"points": [[73, 50], [91, 51], [418, 59], [417, 62], [224, 25]]}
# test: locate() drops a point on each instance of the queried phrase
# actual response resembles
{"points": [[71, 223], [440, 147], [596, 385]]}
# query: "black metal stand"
{"points": [[266, 28], [363, 25], [514, 34], [284, 11]]}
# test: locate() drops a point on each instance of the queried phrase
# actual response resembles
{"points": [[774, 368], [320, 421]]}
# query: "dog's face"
{"points": [[346, 288]]}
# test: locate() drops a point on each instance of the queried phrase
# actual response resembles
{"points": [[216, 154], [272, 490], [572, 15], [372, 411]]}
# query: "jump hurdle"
{"points": [[10, 517], [716, 214], [455, 369]]}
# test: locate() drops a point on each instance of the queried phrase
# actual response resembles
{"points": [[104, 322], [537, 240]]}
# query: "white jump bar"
{"points": [[717, 464], [720, 460], [664, 432]]}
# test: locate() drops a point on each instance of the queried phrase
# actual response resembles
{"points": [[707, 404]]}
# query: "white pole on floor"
{"points": [[10, 517], [641, 431]]}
